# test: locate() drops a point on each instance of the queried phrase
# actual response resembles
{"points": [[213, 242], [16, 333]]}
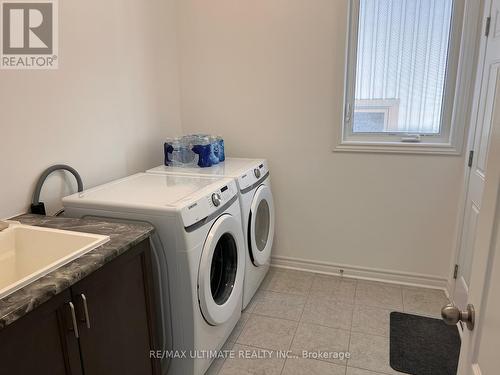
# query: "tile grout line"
{"points": [[257, 347], [384, 373], [308, 298], [352, 320], [305, 322], [319, 325], [320, 360], [242, 328], [235, 342], [375, 372], [298, 323], [280, 292]]}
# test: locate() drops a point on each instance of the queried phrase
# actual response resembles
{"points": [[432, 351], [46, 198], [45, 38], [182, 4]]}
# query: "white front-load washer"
{"points": [[257, 211], [199, 256]]}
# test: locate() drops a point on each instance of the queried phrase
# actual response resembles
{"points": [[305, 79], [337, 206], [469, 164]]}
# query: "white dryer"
{"points": [[256, 201], [198, 250]]}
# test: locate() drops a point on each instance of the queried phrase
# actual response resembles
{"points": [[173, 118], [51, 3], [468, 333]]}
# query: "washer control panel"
{"points": [[209, 203], [253, 175]]}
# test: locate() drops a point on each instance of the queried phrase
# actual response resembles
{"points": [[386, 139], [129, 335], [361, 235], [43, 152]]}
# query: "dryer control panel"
{"points": [[253, 175], [209, 204]]}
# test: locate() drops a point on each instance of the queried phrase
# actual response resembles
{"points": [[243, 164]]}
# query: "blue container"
{"points": [[206, 149], [205, 155], [222, 155], [178, 153], [214, 157], [168, 149], [196, 149]]}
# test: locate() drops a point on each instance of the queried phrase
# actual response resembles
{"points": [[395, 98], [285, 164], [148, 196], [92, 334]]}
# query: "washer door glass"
{"points": [[261, 226], [223, 269], [221, 272]]}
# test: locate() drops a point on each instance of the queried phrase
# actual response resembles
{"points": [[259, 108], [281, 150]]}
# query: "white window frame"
{"points": [[457, 97]]}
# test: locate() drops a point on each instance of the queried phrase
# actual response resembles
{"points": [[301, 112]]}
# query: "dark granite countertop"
{"points": [[123, 237]]}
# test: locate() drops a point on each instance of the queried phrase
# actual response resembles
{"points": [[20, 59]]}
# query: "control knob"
{"points": [[216, 199]]}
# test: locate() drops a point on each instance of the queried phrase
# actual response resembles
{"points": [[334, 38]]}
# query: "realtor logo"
{"points": [[29, 34]]}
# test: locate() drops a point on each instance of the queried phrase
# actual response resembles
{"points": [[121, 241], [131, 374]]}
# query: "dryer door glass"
{"points": [[223, 269], [261, 226], [262, 222]]}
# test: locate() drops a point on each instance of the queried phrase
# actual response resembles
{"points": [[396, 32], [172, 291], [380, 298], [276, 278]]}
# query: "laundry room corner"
{"points": [[229, 187], [381, 216]]}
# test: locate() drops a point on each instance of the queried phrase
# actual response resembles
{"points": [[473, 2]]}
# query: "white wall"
{"points": [[105, 111], [268, 76]]}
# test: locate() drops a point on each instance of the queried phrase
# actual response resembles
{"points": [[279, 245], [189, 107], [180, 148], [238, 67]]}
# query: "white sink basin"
{"points": [[28, 253]]}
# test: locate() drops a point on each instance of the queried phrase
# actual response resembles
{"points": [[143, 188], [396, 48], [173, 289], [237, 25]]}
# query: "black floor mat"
{"points": [[423, 346]]}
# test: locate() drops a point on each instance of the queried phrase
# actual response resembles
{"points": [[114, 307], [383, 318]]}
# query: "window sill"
{"points": [[420, 148]]}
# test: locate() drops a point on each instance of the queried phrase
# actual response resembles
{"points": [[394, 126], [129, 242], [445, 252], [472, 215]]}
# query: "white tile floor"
{"points": [[302, 311]]}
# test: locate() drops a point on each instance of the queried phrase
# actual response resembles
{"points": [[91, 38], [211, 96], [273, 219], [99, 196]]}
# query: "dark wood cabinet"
{"points": [[41, 342], [114, 311], [118, 304]]}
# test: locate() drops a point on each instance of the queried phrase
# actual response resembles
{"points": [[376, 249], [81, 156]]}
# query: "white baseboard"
{"points": [[388, 276]]}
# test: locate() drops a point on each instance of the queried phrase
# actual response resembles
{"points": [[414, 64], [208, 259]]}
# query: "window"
{"points": [[402, 74]]}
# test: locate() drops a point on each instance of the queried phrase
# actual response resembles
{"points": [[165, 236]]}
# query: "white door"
{"points": [[484, 107], [480, 346], [479, 352]]}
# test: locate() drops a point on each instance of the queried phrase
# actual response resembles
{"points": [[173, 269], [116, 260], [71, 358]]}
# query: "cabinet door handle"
{"points": [[73, 318], [86, 310]]}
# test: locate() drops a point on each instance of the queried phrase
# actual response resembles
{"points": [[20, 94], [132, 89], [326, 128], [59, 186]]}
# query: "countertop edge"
{"points": [[123, 237]]}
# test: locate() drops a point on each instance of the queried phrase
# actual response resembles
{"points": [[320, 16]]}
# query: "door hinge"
{"points": [[471, 158], [455, 272], [488, 25]]}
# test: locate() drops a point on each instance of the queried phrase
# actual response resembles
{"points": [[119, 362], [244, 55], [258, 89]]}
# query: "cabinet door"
{"points": [[42, 342], [119, 332]]}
